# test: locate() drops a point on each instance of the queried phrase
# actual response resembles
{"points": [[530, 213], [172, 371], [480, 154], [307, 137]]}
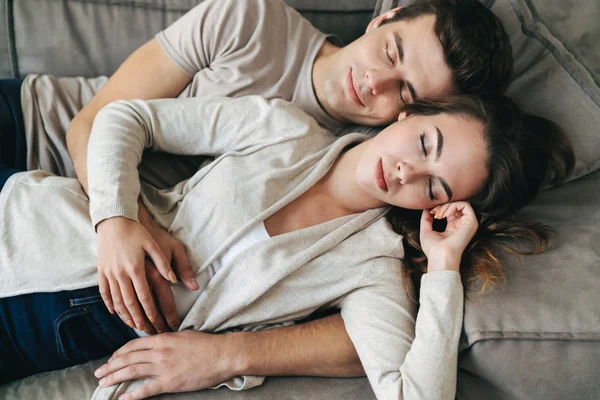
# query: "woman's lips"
{"points": [[351, 90], [380, 176]]}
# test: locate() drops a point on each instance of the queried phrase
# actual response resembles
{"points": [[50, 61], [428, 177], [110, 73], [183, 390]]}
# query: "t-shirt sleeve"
{"points": [[210, 31], [406, 358], [208, 125]]}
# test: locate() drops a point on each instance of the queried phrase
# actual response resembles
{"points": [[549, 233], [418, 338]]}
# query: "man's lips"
{"points": [[380, 176], [352, 90]]}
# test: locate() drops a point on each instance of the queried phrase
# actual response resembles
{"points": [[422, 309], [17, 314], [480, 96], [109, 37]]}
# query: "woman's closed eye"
{"points": [[430, 187], [388, 53], [423, 144]]}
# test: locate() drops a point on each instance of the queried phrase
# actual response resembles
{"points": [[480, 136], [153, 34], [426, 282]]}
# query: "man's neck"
{"points": [[320, 67]]}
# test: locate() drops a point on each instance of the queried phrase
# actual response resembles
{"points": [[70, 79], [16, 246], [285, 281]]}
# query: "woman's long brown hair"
{"points": [[524, 153]]}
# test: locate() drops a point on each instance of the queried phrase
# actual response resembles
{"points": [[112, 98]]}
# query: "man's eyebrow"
{"points": [[400, 49], [398, 41], [440, 144], [438, 153]]}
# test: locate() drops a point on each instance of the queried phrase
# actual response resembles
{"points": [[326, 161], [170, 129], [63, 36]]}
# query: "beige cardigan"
{"points": [[271, 153]]}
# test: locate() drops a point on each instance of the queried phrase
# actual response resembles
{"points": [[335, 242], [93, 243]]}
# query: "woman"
{"points": [[281, 225]]}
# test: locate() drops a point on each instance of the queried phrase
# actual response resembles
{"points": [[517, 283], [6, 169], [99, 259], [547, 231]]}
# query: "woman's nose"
{"points": [[408, 173], [379, 80]]}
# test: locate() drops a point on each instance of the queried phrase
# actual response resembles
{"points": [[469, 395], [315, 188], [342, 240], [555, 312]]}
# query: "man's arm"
{"points": [[317, 348], [147, 74], [191, 360]]}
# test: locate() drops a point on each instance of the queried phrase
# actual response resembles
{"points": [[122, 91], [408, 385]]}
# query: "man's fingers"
{"points": [[151, 388], [127, 373], [145, 343], [182, 266], [118, 363], [166, 302]]}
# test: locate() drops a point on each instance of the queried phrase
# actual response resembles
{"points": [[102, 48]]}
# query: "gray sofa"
{"points": [[538, 337]]}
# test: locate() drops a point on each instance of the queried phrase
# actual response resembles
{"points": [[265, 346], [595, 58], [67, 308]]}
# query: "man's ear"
{"points": [[402, 115], [375, 22]]}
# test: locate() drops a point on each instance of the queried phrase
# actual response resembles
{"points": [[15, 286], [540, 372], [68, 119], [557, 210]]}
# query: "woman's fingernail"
{"points": [[193, 283], [97, 372], [172, 277], [102, 382]]}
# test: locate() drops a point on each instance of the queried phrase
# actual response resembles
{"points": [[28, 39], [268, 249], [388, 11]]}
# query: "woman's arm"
{"points": [[148, 73]]}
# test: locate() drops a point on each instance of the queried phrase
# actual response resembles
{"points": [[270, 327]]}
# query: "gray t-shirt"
{"points": [[227, 47]]}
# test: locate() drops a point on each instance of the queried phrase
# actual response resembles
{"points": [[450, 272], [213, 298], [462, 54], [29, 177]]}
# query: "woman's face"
{"points": [[423, 161]]}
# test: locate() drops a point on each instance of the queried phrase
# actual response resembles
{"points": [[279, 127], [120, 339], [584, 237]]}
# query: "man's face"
{"points": [[368, 81]]}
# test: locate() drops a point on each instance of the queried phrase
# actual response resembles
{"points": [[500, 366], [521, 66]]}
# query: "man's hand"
{"points": [[175, 254], [178, 362], [123, 274]]}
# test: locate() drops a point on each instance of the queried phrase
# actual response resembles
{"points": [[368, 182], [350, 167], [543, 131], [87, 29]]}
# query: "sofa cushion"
{"points": [[556, 65], [93, 37]]}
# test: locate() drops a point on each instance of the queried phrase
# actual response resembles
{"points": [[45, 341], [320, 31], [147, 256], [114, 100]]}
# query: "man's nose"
{"points": [[378, 80]]}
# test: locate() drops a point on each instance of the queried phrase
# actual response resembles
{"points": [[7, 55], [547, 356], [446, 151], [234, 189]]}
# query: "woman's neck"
{"points": [[341, 186], [335, 195]]}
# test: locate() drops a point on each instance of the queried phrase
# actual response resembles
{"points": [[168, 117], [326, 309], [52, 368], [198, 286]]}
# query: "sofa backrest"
{"points": [[93, 37]]}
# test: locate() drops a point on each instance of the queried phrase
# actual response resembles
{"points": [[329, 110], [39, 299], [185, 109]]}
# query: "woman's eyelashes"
{"points": [[422, 137], [429, 180], [388, 54], [430, 187]]}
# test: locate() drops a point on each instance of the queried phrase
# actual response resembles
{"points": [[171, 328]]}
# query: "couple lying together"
{"points": [[288, 220]]}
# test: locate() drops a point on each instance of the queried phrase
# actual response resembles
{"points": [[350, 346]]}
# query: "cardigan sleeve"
{"points": [[406, 358], [193, 126]]}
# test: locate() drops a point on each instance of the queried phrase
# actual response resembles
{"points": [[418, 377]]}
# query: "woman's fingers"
{"points": [[144, 295], [159, 260], [105, 292], [131, 303], [182, 266], [119, 305], [426, 222]]}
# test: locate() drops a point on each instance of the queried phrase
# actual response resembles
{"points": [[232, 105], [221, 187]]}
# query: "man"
{"points": [[261, 47]]}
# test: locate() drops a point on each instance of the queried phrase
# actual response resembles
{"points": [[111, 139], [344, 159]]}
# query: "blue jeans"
{"points": [[13, 149], [48, 331]]}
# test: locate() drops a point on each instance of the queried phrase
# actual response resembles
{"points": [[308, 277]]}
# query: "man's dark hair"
{"points": [[476, 46]]}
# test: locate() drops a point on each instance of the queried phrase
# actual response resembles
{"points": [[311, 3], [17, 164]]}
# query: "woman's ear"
{"points": [[375, 22], [402, 115]]}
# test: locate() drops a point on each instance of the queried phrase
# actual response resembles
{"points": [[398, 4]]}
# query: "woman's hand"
{"points": [[444, 249], [123, 273], [178, 362]]}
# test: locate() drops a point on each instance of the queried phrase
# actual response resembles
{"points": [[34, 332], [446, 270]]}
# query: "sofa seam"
{"points": [[11, 41], [163, 7], [561, 60]]}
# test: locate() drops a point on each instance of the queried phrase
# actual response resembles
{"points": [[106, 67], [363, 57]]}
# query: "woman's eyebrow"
{"points": [[438, 153], [440, 144]]}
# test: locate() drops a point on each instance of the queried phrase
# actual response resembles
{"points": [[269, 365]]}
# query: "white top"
{"points": [[185, 298], [272, 153]]}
